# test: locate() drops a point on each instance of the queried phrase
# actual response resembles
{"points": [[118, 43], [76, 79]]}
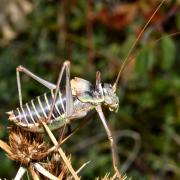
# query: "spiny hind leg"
{"points": [[69, 99], [33, 76], [111, 140]]}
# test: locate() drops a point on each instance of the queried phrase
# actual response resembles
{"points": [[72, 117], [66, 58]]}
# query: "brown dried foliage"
{"points": [[26, 146], [56, 167]]}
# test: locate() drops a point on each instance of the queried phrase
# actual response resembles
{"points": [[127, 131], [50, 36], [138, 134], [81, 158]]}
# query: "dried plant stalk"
{"points": [[5, 147], [62, 154], [33, 173]]}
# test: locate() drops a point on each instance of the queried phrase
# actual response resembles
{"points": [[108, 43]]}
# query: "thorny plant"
{"points": [[33, 154], [107, 177]]}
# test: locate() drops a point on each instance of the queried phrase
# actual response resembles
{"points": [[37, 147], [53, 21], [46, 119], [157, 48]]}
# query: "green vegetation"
{"points": [[97, 35]]}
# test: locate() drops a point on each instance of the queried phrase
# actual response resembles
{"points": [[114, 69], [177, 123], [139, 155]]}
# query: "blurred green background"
{"points": [[97, 35]]}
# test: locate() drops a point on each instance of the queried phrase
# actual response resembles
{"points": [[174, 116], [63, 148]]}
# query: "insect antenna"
{"points": [[125, 62]]}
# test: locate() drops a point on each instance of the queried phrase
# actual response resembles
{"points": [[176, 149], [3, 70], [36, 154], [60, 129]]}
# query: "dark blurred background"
{"points": [[97, 35]]}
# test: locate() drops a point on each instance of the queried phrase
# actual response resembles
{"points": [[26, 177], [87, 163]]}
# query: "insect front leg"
{"points": [[110, 137], [33, 76]]}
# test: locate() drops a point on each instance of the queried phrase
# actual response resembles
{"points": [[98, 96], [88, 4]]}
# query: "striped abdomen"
{"points": [[38, 109]]}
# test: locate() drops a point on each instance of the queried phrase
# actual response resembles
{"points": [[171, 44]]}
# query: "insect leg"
{"points": [[108, 131], [32, 75], [61, 135], [69, 99]]}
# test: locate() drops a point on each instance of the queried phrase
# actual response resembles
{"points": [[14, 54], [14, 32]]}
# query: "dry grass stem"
{"points": [[62, 154], [20, 173], [5, 147], [33, 173], [63, 172], [43, 171], [85, 164]]}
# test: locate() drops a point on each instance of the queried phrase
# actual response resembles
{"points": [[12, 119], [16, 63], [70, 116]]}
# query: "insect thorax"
{"points": [[99, 94]]}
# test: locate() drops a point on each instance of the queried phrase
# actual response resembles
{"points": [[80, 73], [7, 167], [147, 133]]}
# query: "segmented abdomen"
{"points": [[38, 109]]}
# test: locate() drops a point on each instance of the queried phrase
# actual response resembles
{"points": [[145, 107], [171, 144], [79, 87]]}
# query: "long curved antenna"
{"points": [[169, 35], [133, 45]]}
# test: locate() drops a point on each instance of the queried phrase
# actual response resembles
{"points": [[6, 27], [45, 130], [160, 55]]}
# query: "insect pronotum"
{"points": [[60, 106]]}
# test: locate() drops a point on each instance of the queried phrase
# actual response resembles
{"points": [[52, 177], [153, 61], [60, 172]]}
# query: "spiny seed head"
{"points": [[108, 177], [26, 146], [55, 165]]}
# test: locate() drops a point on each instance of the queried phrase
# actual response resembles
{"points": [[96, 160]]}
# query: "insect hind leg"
{"points": [[33, 76], [69, 99]]}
